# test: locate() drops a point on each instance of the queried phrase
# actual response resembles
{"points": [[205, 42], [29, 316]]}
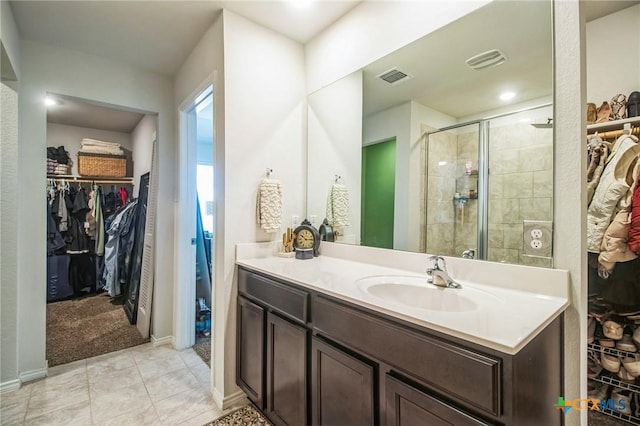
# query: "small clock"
{"points": [[326, 232], [307, 239]]}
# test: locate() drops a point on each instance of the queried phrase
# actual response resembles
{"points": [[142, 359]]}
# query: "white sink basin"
{"points": [[414, 292]]}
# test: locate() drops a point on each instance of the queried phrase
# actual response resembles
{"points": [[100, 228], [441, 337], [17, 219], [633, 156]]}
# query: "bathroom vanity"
{"points": [[313, 351]]}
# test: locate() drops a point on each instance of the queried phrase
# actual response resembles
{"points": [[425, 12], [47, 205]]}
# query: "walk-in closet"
{"points": [[99, 161], [613, 218]]}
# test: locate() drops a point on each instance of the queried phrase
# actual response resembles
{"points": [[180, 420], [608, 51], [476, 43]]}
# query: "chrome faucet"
{"points": [[469, 254], [437, 275]]}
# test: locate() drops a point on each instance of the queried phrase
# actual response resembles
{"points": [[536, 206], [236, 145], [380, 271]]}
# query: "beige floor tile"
{"points": [[106, 404], [178, 408], [109, 364], [76, 366], [191, 358], [60, 379], [170, 384], [203, 418], [159, 352], [203, 373], [11, 398], [56, 398], [116, 380], [154, 367], [13, 413], [77, 414], [146, 416]]}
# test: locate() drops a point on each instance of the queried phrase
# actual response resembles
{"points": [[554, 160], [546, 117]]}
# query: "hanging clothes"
{"points": [[120, 236], [100, 226]]}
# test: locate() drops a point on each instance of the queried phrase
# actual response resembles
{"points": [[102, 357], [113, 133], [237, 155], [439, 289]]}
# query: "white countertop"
{"points": [[505, 319]]}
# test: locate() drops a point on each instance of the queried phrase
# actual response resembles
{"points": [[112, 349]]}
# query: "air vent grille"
{"points": [[487, 59], [395, 76]]}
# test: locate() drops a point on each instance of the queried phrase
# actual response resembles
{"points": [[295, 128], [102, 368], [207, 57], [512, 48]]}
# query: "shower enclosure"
{"points": [[482, 180]]}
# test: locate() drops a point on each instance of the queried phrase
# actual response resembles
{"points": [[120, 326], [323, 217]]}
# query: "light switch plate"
{"points": [[537, 238]]}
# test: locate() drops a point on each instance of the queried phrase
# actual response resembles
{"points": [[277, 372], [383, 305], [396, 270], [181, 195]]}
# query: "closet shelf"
{"points": [[610, 351], [74, 178], [612, 125], [617, 383], [626, 417]]}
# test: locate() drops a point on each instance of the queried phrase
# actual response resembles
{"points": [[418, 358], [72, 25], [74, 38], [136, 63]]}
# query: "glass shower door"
{"points": [[452, 206]]}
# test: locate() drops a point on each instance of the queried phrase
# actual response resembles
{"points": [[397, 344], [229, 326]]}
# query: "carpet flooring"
{"points": [[245, 416], [203, 349], [599, 419], [87, 326]]}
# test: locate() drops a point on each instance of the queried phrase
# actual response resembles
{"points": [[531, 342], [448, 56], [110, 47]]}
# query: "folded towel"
{"points": [[101, 150], [269, 205], [94, 142], [338, 206]]}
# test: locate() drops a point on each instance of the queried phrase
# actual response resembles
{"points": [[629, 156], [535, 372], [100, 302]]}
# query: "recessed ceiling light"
{"points": [[507, 96], [49, 101], [301, 3]]}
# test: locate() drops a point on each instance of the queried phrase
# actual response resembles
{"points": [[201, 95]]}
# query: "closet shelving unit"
{"points": [[89, 179], [613, 130]]}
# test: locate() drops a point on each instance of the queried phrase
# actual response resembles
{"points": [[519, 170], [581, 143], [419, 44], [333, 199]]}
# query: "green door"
{"points": [[378, 194]]}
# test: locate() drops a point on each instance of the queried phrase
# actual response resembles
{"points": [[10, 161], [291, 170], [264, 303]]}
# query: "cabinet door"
{"points": [[342, 387], [408, 406], [250, 350], [286, 372]]}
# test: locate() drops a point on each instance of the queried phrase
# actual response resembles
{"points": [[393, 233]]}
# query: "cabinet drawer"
{"points": [[453, 370], [408, 406], [289, 301]]}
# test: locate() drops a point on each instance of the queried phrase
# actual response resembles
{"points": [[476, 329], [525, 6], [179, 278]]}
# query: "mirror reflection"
{"points": [[445, 145]]}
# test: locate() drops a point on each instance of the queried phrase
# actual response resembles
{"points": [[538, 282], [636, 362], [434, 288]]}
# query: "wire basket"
{"points": [[102, 165]]}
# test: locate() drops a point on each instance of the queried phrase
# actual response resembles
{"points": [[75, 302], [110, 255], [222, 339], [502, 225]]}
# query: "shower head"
{"points": [[547, 125]]}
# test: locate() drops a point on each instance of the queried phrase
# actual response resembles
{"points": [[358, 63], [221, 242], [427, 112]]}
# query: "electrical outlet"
{"points": [[295, 221], [537, 238], [314, 220]]}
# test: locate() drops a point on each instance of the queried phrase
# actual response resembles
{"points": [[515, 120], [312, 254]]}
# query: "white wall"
{"points": [[45, 69], [9, 36], [335, 148], [613, 55], [265, 126], [142, 139], [8, 234], [372, 30], [71, 137], [9, 127]]}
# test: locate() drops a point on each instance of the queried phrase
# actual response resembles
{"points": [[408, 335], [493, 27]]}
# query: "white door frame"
{"points": [[185, 274]]}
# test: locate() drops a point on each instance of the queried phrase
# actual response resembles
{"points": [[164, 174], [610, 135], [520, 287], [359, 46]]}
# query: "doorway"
{"points": [[378, 193], [197, 227]]}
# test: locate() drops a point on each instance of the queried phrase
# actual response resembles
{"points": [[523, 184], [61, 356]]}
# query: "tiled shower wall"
{"points": [[520, 188]]}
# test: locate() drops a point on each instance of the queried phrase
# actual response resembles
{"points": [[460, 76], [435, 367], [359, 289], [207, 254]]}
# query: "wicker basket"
{"points": [[102, 165]]}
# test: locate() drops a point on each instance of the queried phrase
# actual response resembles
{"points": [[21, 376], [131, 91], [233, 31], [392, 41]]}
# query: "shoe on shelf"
{"points": [[593, 366], [622, 397], [610, 363], [607, 343], [597, 390], [627, 310], [591, 329], [636, 336], [613, 328], [626, 344], [632, 365], [625, 376]]}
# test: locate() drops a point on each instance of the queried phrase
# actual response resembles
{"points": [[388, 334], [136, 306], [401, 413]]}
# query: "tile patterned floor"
{"points": [[142, 385]]}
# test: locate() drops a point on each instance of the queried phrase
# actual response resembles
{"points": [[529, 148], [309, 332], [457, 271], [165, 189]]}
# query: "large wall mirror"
{"points": [[440, 146]]}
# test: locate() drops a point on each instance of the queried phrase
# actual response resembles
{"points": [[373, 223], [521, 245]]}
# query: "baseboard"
{"points": [[10, 386], [167, 340], [237, 399], [29, 376]]}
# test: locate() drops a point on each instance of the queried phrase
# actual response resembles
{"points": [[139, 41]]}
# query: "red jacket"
{"points": [[634, 227]]}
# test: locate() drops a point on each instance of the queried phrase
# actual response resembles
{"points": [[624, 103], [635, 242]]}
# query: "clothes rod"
{"points": [[71, 179], [614, 134]]}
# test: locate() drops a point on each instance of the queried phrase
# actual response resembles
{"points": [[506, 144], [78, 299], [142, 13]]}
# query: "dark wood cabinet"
{"points": [[308, 358], [409, 406], [342, 387], [250, 350], [286, 372]]}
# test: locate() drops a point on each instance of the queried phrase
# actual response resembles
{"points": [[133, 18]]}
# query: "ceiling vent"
{"points": [[487, 59], [395, 76]]}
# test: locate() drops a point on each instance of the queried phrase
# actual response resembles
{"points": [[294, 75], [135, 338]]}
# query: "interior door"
{"points": [[378, 194], [145, 298]]}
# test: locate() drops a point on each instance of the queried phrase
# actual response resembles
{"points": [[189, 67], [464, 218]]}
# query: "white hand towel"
{"points": [[269, 205], [338, 206]]}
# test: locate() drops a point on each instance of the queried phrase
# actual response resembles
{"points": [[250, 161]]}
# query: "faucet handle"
{"points": [[436, 262]]}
